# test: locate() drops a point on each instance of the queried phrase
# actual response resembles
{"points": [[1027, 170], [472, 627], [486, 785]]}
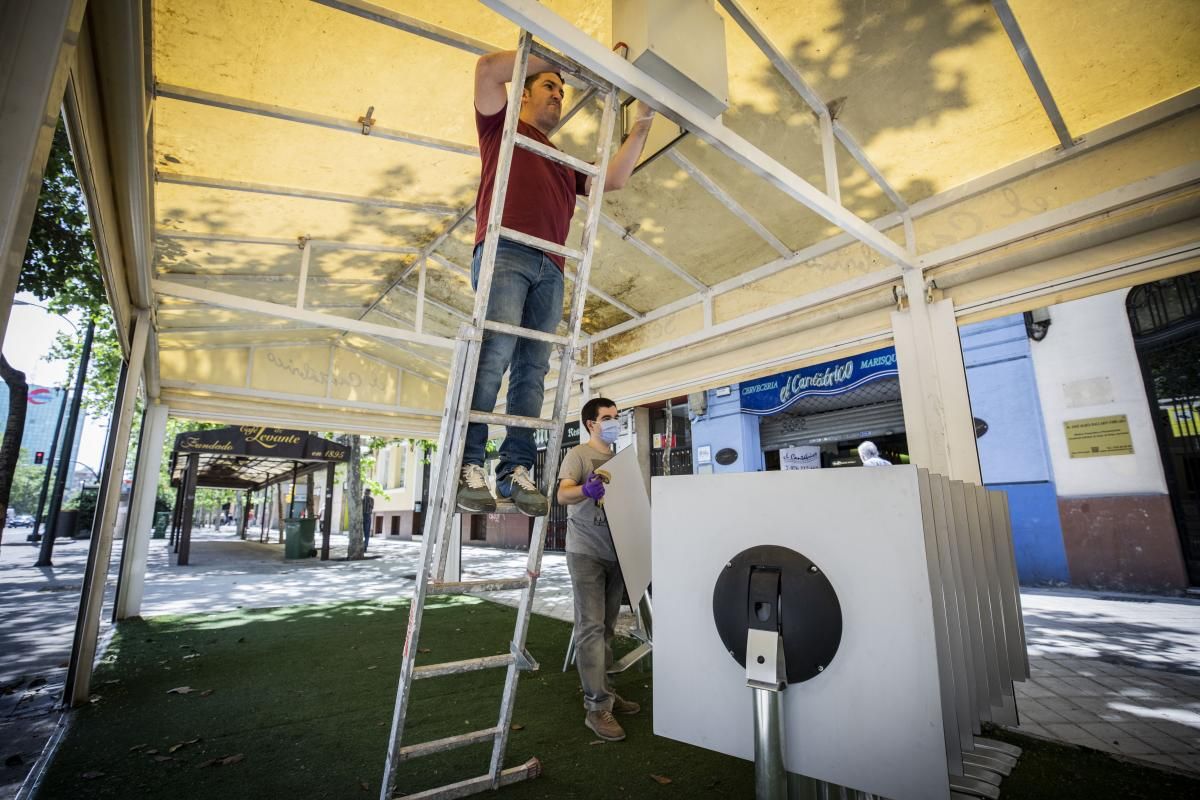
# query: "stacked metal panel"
{"points": [[932, 638]]}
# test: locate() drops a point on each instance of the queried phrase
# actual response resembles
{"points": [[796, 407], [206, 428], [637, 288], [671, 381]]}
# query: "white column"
{"points": [[91, 600], [933, 385], [141, 514], [37, 45]]}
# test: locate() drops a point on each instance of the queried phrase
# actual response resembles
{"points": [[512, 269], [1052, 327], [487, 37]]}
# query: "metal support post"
{"points": [[933, 384], [770, 776], [327, 516], [68, 453], [142, 505], [87, 625], [187, 509]]}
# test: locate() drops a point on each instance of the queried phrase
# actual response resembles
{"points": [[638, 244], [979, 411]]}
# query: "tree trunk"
{"points": [[10, 451], [354, 490]]}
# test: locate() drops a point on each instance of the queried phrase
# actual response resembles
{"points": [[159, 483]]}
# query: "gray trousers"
{"points": [[597, 587]]}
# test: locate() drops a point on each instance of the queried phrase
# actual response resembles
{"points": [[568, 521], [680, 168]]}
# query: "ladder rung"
{"points": [[530, 769], [512, 420], [554, 154], [470, 587], [544, 245], [449, 743], [527, 333], [460, 667]]}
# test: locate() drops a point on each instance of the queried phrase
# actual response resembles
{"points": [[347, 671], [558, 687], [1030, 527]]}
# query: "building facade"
{"points": [[1102, 473]]}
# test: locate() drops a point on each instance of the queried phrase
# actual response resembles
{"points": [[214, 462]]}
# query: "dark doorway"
{"points": [[1165, 319]]}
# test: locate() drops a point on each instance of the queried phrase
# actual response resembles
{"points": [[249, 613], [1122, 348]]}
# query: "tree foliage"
{"points": [[60, 266]]}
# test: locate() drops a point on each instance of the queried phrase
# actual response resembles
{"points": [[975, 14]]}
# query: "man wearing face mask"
{"points": [[592, 561]]}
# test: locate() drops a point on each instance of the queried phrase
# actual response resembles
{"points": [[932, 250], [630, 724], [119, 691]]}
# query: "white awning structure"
{"points": [[288, 186]]}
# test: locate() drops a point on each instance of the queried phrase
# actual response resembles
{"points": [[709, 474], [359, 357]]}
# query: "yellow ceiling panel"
{"points": [[931, 89], [218, 143], [222, 211], [1107, 59]]}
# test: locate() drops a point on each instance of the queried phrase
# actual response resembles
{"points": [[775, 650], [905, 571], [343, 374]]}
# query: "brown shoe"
{"points": [[623, 706], [604, 725]]}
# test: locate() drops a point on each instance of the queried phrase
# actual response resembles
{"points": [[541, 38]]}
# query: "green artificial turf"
{"points": [[296, 703], [305, 695]]}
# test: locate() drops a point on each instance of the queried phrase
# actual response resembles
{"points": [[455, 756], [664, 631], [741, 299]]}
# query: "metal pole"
{"points": [[770, 776], [188, 509], [68, 453], [37, 519], [327, 517]]}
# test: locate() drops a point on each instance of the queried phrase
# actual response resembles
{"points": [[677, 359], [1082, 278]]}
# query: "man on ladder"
{"points": [[527, 284]]}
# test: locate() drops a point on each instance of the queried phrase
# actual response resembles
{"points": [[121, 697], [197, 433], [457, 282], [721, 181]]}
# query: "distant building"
{"points": [[41, 417]]}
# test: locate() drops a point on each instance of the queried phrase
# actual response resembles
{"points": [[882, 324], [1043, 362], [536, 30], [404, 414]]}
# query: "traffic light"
{"points": [[39, 457]]}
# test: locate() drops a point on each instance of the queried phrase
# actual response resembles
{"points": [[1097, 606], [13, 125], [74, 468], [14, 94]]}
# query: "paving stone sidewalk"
{"points": [[1119, 673]]}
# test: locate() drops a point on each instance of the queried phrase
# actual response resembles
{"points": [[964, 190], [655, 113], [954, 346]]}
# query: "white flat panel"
{"points": [[628, 510], [873, 719]]}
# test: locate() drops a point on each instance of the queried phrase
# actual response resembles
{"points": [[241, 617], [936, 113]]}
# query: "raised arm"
{"points": [[492, 74], [621, 165]]}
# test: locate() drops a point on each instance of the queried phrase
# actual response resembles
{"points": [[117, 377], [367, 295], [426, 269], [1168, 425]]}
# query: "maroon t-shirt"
{"points": [[541, 192]]}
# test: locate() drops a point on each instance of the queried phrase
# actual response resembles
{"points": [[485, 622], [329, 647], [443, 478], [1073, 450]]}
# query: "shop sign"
{"points": [[774, 394], [249, 440], [1099, 436], [801, 457]]}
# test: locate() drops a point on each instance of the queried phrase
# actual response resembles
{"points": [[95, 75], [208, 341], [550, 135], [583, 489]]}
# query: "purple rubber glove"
{"points": [[593, 487]]}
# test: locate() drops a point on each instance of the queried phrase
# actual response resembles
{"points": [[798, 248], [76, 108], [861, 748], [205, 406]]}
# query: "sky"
{"points": [[30, 336]]}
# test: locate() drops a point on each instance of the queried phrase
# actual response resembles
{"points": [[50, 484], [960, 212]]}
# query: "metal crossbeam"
{"points": [[223, 300], [270, 111], [1017, 37], [301, 194], [403, 22], [726, 199], [814, 101], [612, 68]]}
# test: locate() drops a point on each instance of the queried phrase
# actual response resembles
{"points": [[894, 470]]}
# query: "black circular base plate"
{"points": [[810, 616]]}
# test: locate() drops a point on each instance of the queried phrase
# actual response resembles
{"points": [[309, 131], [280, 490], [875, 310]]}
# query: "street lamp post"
{"points": [[60, 478]]}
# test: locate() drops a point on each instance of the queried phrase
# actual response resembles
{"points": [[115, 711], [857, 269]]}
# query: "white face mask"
{"points": [[610, 430]]}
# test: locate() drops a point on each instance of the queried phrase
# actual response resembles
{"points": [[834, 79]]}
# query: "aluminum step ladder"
{"points": [[457, 415]]}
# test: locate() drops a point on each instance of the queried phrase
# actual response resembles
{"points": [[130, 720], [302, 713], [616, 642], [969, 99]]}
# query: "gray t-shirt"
{"points": [[587, 525]]}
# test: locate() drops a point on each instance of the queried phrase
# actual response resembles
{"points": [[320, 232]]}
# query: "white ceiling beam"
{"points": [[281, 311], [1147, 118], [209, 277], [417, 27], [653, 253], [301, 194], [248, 411], [1033, 71], [271, 111], [308, 399], [597, 58], [829, 294], [806, 92], [189, 329], [726, 199]]}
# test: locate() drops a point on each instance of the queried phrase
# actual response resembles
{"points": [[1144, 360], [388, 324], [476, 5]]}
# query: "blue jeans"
{"points": [[527, 290], [366, 531]]}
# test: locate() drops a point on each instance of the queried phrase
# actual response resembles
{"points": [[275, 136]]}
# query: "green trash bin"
{"points": [[300, 537], [161, 519]]}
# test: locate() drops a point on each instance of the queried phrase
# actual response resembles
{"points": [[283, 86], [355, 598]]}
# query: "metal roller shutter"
{"points": [[787, 430]]}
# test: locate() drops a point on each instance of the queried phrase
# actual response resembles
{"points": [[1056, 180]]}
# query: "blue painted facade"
{"points": [[725, 426], [1013, 455]]}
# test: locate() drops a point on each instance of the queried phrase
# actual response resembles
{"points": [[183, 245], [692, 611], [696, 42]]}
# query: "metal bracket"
{"points": [[525, 662], [366, 120]]}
